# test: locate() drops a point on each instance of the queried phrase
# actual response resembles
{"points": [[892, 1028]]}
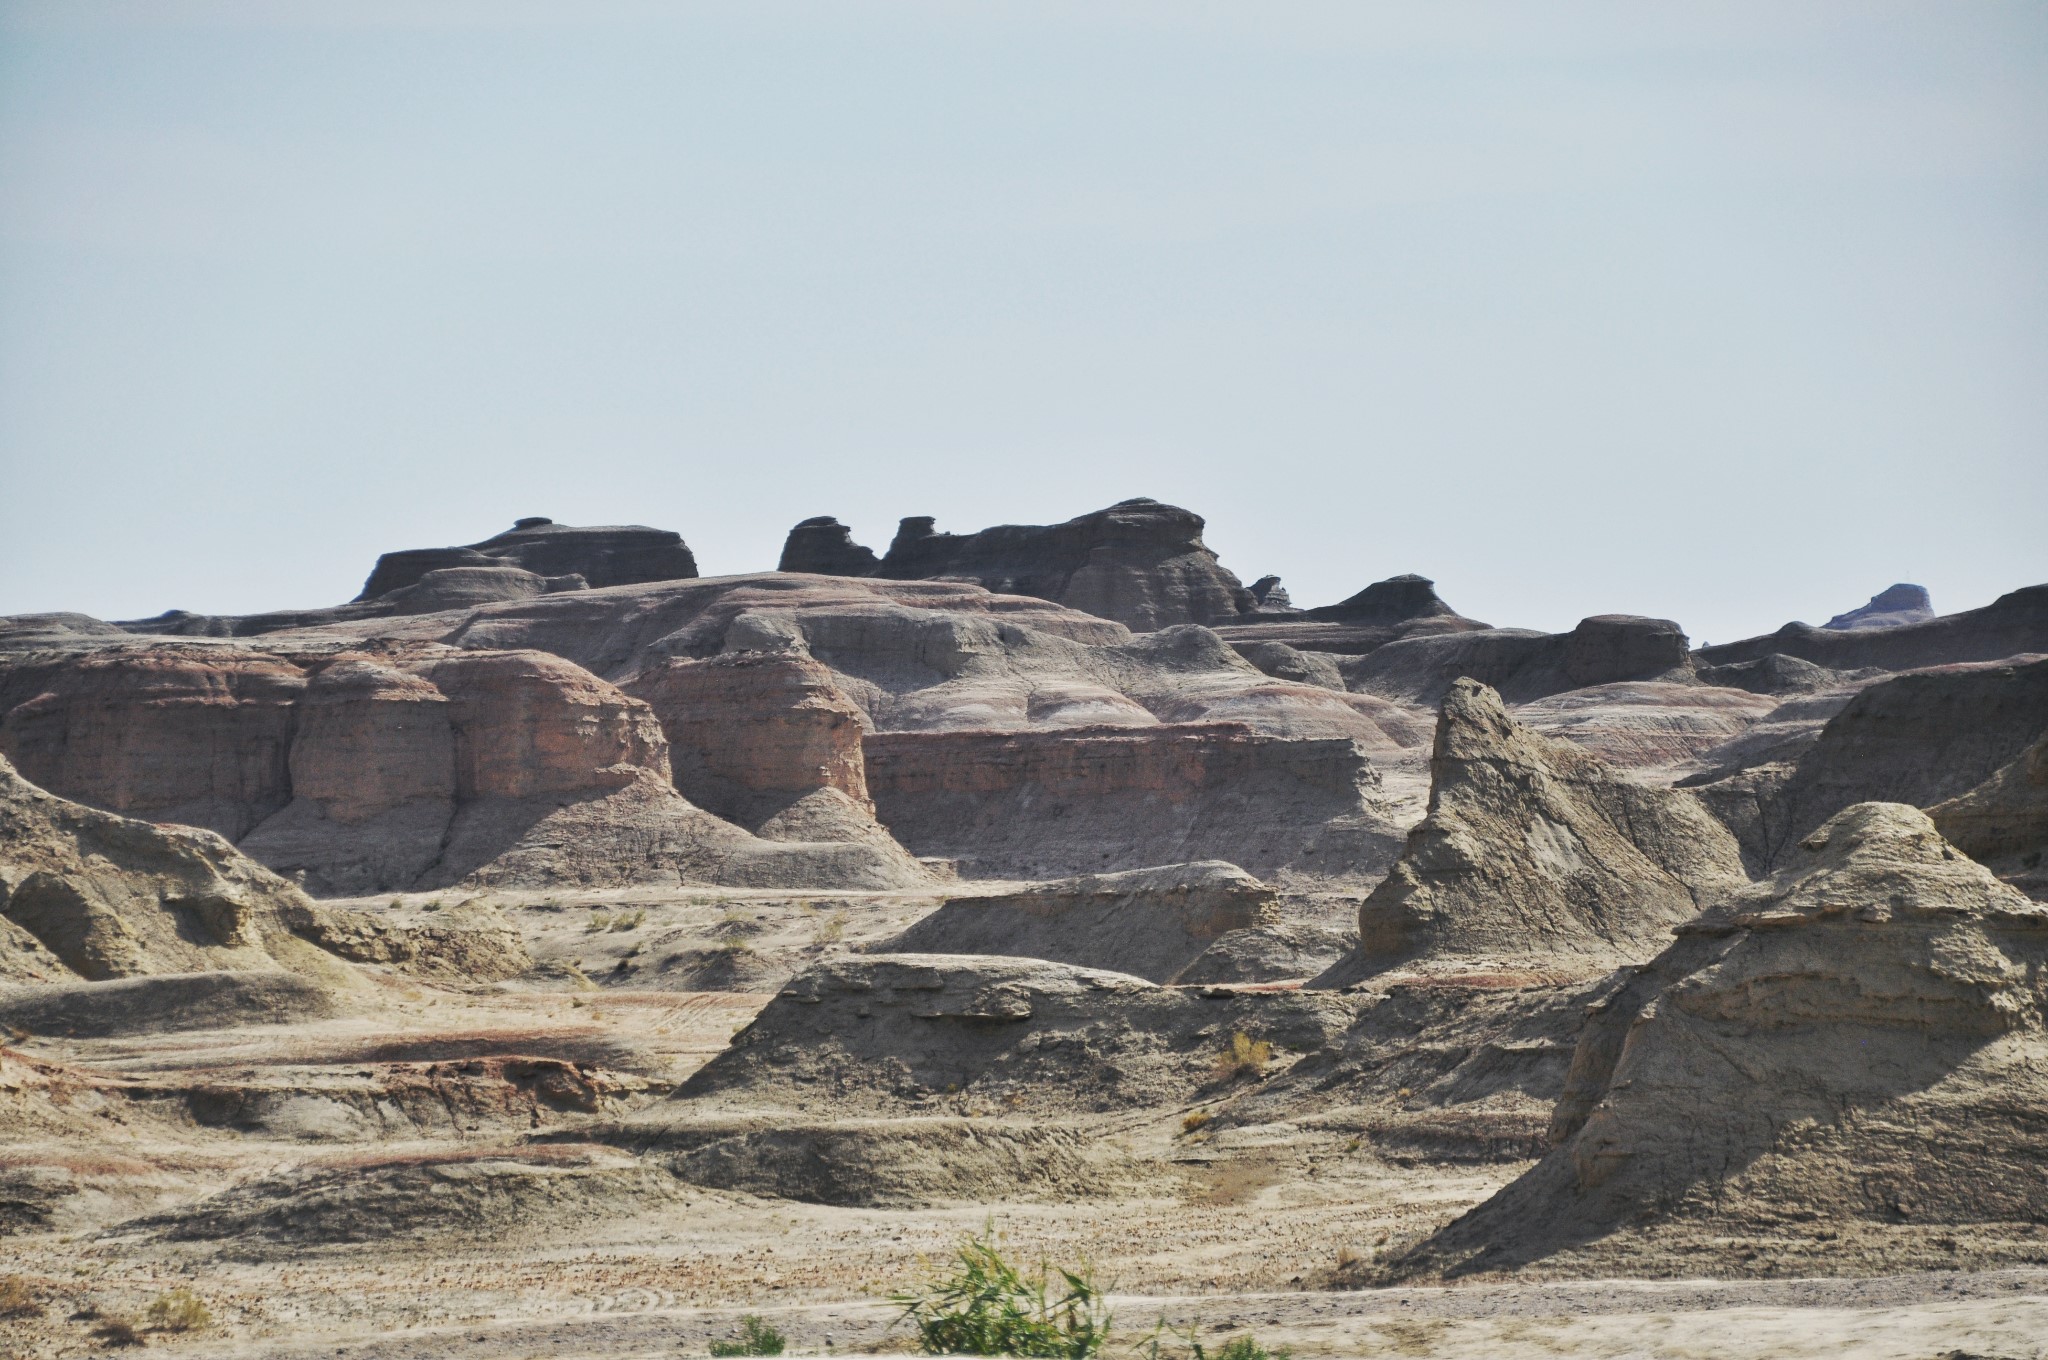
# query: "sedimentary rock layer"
{"points": [[1029, 804]]}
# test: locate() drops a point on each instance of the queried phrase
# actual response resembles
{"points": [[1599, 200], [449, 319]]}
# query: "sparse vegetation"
{"points": [[1243, 1056], [1244, 1347], [1194, 1120], [17, 1300], [756, 1338], [629, 920], [832, 929], [599, 921], [116, 1331], [1349, 1257], [989, 1307], [179, 1310]]}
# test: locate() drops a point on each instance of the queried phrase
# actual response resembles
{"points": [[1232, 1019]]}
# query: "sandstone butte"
{"points": [[552, 923]]}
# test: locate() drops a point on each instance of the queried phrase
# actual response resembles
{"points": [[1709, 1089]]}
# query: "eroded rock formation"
{"points": [[1851, 1052], [1888, 608], [1139, 562], [1154, 923], [94, 895], [608, 555], [1536, 855]]}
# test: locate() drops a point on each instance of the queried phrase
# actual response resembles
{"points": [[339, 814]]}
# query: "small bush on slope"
{"points": [[989, 1307]]}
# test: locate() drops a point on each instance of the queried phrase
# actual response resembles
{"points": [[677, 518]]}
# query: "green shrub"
{"points": [[756, 1338], [1237, 1348], [989, 1307]]}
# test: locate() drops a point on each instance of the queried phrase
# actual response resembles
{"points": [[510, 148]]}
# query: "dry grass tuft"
{"points": [[1243, 1056], [1194, 1121], [17, 1300], [179, 1310]]}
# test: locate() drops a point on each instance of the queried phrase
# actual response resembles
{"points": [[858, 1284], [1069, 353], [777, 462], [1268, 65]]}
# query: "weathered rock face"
{"points": [[1852, 1052], [2003, 822], [1535, 854], [751, 733], [194, 735], [1918, 738], [1887, 609], [1153, 923], [528, 723], [1138, 562], [1523, 665], [610, 555], [1036, 804], [2012, 625], [90, 894], [1396, 600]]}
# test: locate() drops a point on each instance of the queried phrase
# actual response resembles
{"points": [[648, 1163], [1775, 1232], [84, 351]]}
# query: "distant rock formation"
{"points": [[1536, 855], [1851, 1052], [1270, 597], [1139, 562], [1153, 923], [1398, 607], [94, 895], [1888, 609], [608, 555], [823, 546], [1918, 738], [1524, 665], [2014, 624]]}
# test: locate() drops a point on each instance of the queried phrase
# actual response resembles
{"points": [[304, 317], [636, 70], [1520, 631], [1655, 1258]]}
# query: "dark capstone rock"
{"points": [[1394, 600], [1271, 597], [825, 547], [603, 555], [1887, 609], [1773, 674], [1139, 562]]}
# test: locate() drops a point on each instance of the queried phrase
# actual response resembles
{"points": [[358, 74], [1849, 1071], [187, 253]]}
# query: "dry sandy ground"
{"points": [[1239, 1233]]}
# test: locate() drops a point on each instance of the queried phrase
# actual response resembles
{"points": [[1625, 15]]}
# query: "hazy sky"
{"points": [[1731, 313]]}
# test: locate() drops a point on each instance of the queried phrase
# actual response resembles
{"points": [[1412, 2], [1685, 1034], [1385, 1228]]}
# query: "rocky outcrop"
{"points": [[1851, 1054], [2003, 822], [889, 1032], [823, 546], [1524, 665], [1043, 804], [1918, 738], [1398, 607], [2012, 625], [198, 735], [609, 555], [94, 895], [752, 733], [1536, 855], [1153, 923], [1138, 562], [1900, 604]]}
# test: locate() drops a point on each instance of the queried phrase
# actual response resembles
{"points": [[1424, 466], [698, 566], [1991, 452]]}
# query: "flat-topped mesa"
{"points": [[1536, 855], [1138, 562], [1888, 608], [602, 555], [1851, 1051]]}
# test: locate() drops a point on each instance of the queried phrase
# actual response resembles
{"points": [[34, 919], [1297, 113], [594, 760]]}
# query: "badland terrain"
{"points": [[551, 951]]}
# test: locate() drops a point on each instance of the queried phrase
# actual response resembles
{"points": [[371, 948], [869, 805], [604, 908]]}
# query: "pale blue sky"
{"points": [[1732, 313]]}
